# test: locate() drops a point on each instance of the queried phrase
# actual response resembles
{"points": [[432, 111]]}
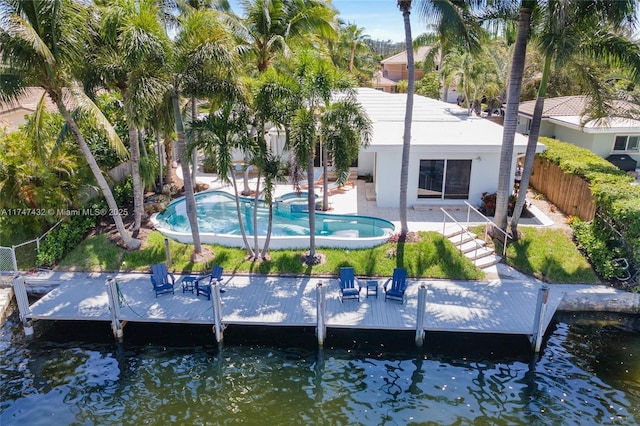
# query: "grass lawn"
{"points": [[549, 255], [433, 257]]}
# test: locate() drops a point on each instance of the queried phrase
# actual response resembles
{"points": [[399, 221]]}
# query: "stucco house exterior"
{"points": [[562, 119], [454, 157], [12, 115]]}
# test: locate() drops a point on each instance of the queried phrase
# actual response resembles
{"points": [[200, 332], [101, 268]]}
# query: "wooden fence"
{"points": [[569, 193]]}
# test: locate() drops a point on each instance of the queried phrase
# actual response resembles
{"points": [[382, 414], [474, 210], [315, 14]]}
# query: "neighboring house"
{"points": [[12, 115], [394, 69], [454, 157], [562, 119]]}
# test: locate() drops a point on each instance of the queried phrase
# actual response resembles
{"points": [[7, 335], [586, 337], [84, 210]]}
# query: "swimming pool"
{"points": [[218, 223]]}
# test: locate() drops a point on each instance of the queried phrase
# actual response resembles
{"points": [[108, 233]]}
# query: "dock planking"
{"points": [[501, 307]]}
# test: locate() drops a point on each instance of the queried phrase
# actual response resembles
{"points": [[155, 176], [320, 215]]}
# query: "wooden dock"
{"points": [[506, 307]]}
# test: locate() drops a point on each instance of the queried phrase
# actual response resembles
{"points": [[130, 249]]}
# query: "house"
{"points": [[12, 115], [454, 157], [562, 119], [394, 69]]}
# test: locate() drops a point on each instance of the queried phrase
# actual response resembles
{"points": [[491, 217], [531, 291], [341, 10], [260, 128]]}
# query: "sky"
{"points": [[381, 19]]}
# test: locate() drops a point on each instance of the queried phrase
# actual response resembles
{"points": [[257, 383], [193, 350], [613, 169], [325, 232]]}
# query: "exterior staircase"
{"points": [[470, 245]]}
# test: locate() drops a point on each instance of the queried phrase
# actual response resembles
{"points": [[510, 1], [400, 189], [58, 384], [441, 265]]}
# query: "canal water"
{"points": [[74, 374]]}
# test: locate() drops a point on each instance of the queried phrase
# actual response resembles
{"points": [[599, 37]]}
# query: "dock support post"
{"points": [[114, 309], [321, 327], [422, 302], [216, 303], [24, 310], [167, 252], [538, 321]]}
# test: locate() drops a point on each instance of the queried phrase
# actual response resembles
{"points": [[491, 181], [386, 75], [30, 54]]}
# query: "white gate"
{"points": [[8, 263]]}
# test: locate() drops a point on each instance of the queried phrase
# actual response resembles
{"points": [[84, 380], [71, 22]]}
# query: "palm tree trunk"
{"points": [[311, 203], [256, 198], [168, 149], [160, 160], [532, 143], [405, 7], [243, 230], [186, 176], [138, 196], [194, 157], [131, 243], [325, 179], [352, 55], [505, 176], [267, 240]]}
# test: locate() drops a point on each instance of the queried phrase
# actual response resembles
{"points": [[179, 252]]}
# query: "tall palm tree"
{"points": [[572, 31], [405, 8], [133, 44], [43, 42], [317, 81], [203, 56], [511, 114], [354, 38], [272, 26]]}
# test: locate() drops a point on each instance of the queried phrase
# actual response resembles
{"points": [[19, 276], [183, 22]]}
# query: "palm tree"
{"points": [[316, 82], [202, 59], [222, 131], [511, 113], [353, 37], [573, 31], [43, 42], [133, 43], [405, 8], [271, 26]]}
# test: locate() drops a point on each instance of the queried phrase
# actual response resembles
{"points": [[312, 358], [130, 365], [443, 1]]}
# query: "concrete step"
{"points": [[370, 191], [487, 261], [461, 239], [451, 229], [481, 252], [471, 245]]}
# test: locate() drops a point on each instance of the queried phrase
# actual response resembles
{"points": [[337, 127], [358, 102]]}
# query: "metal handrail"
{"points": [[465, 230], [486, 228]]}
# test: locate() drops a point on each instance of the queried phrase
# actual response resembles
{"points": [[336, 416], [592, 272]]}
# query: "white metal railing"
{"points": [[13, 248], [488, 222], [465, 231]]}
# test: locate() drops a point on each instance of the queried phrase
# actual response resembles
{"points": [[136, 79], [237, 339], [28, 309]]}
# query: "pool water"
{"points": [[217, 214], [73, 373]]}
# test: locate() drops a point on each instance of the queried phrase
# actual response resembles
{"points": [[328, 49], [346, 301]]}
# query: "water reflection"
{"points": [[586, 373]]}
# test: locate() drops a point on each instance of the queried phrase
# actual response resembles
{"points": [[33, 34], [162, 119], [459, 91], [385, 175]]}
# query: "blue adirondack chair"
{"points": [[203, 285], [398, 286], [349, 284], [162, 280]]}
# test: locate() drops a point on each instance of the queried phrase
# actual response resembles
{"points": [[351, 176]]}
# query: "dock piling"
{"points": [[114, 309], [422, 302], [24, 310], [321, 326], [538, 321], [167, 252], [216, 303]]}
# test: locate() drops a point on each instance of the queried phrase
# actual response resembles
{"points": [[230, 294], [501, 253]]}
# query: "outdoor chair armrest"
{"points": [[386, 283]]}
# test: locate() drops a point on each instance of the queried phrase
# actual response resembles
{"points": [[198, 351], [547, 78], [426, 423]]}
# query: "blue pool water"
{"points": [[217, 214]]}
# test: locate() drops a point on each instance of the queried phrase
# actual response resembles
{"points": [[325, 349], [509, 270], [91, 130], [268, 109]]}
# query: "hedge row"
{"points": [[64, 238], [615, 232]]}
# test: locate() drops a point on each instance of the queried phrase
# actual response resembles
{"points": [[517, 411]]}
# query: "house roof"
{"points": [[569, 111], [28, 101], [436, 125], [401, 58]]}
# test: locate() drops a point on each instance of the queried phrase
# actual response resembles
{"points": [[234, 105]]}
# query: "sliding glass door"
{"points": [[444, 179]]}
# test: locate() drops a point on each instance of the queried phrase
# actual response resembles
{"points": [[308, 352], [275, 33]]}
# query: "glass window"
{"points": [[620, 143], [627, 143], [458, 176], [430, 178], [444, 179]]}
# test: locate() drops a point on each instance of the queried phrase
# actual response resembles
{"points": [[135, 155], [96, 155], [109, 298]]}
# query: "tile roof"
{"points": [[401, 58], [569, 106]]}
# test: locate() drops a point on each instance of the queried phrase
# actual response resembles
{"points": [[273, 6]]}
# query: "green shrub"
{"points": [[57, 243], [615, 232]]}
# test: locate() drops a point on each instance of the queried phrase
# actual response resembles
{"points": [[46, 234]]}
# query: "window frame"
{"points": [[445, 170], [626, 143]]}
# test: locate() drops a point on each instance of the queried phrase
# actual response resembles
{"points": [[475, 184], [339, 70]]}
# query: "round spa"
{"points": [[218, 223]]}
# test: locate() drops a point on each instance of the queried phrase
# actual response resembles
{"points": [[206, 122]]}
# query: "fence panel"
{"points": [[7, 261], [569, 193]]}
